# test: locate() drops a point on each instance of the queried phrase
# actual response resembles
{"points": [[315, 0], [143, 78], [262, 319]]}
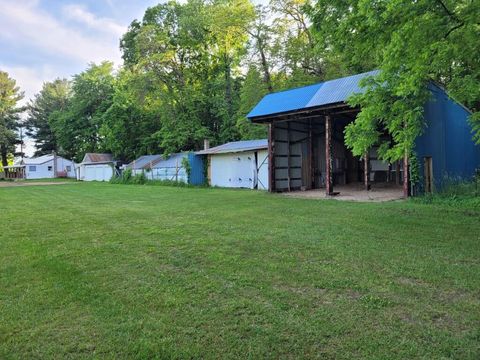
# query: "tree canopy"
{"points": [[412, 43], [42, 112], [193, 70]]}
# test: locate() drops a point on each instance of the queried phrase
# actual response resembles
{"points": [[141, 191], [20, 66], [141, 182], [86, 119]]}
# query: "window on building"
{"points": [[32, 168], [69, 168], [49, 168]]}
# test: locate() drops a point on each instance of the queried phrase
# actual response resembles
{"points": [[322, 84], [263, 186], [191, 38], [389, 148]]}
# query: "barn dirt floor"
{"points": [[4, 184], [354, 192]]}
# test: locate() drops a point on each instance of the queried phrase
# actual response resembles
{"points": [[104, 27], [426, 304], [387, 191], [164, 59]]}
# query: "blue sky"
{"points": [[41, 40], [44, 39]]}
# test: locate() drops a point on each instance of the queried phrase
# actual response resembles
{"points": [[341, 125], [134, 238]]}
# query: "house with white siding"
{"points": [[43, 167]]}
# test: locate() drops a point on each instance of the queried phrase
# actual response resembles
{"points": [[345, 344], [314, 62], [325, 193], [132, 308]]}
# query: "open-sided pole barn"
{"points": [[307, 149]]}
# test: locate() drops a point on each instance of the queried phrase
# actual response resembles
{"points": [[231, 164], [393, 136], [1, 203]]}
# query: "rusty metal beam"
{"points": [[288, 156], [366, 171], [340, 107], [271, 158], [311, 179], [405, 176], [328, 156]]}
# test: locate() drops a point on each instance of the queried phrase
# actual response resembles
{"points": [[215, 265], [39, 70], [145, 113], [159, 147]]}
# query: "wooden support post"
{"points": [[366, 172], [311, 178], [271, 158], [328, 156], [405, 176], [176, 171], [55, 170], [397, 172], [288, 156]]}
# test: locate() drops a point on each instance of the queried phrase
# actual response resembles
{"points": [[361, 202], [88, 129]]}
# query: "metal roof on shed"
{"points": [[171, 161], [37, 160], [236, 146], [97, 158], [143, 162], [157, 161], [321, 94]]}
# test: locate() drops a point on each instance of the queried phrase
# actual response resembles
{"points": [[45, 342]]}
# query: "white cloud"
{"points": [[25, 23], [81, 15], [29, 79]]}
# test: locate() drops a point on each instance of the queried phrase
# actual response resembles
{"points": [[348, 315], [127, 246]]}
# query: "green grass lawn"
{"points": [[118, 271]]}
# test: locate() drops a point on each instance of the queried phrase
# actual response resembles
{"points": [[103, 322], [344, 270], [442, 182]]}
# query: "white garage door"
{"points": [[102, 172], [233, 170]]}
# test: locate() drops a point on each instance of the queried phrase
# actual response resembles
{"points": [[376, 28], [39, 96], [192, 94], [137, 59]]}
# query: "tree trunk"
{"points": [[228, 87], [266, 71], [3, 153]]}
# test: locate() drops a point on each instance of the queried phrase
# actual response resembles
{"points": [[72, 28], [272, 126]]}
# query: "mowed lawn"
{"points": [[119, 271]]}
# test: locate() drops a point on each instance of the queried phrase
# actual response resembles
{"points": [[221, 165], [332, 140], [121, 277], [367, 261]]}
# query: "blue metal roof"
{"points": [[328, 92], [236, 146]]}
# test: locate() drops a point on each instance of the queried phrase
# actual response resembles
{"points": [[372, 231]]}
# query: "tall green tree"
{"points": [[10, 96], [253, 89], [42, 111], [77, 129], [130, 123], [229, 19], [412, 43], [193, 52]]}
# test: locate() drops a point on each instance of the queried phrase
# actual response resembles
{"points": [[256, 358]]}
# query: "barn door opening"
{"points": [[428, 173]]}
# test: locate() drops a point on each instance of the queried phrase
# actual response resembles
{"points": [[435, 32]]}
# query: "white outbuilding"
{"points": [[42, 167], [96, 167], [238, 164]]}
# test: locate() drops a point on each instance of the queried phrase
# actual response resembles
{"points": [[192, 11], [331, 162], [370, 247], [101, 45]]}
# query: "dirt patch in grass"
{"points": [[5, 184]]}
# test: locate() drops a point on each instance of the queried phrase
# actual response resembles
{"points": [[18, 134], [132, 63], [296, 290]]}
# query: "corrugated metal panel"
{"points": [[197, 174], [328, 92], [38, 160], [170, 168], [447, 140], [236, 146], [97, 158], [143, 162], [338, 90], [173, 161], [284, 101]]}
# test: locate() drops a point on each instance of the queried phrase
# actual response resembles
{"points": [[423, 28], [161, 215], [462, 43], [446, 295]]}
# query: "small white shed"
{"points": [[48, 166], [239, 164], [96, 167]]}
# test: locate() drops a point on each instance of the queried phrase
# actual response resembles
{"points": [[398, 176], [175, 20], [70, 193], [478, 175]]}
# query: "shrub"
{"points": [[139, 179], [455, 192]]}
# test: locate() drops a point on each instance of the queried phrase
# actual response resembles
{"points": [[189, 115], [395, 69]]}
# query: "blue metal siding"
{"points": [[197, 175], [447, 139]]}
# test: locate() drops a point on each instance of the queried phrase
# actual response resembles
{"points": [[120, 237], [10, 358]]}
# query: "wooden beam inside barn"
{"points": [[365, 171], [271, 158], [405, 176], [288, 157], [310, 179], [328, 155]]}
